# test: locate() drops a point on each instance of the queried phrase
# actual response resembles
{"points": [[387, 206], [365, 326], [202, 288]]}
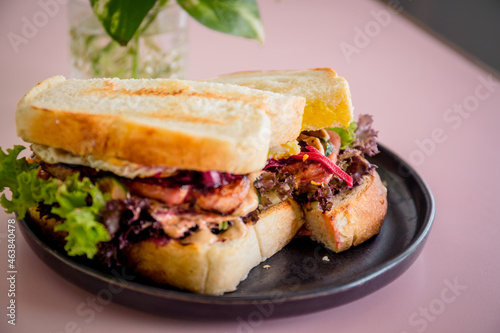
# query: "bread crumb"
{"points": [[325, 258], [266, 266]]}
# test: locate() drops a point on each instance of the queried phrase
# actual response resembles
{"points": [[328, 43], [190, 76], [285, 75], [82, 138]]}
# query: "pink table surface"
{"points": [[412, 83]]}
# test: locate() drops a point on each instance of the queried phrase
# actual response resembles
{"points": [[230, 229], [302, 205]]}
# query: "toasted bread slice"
{"points": [[219, 267], [328, 99], [212, 267], [158, 122], [356, 216]]}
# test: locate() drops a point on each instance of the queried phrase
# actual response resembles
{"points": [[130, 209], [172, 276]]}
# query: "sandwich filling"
{"points": [[330, 161], [173, 207], [105, 205]]}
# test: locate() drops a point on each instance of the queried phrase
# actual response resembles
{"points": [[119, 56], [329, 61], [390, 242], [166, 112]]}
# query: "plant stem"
{"points": [[135, 57], [139, 32], [152, 17]]}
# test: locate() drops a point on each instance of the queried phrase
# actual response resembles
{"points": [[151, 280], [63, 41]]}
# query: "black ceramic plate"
{"points": [[298, 281]]}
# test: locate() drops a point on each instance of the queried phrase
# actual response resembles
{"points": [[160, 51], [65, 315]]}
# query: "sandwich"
{"points": [[324, 168], [155, 175], [192, 184]]}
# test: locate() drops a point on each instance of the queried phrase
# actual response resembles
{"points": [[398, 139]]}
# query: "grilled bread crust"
{"points": [[158, 122], [356, 216], [328, 98]]}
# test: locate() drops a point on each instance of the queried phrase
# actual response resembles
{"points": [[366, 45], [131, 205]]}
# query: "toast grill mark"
{"points": [[184, 117], [110, 88]]}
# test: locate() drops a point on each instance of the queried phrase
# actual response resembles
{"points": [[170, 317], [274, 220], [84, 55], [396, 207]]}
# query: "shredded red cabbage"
{"points": [[204, 180], [315, 155], [272, 163], [350, 168], [212, 179]]}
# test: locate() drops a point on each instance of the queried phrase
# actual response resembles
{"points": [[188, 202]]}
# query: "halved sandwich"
{"points": [[157, 175], [324, 168]]}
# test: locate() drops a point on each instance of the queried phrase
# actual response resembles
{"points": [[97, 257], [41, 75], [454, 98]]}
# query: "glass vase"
{"points": [[159, 51]]}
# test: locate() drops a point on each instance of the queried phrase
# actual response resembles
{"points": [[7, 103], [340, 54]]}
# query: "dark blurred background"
{"points": [[472, 26]]}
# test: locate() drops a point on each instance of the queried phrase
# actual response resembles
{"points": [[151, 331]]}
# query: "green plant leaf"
{"points": [[235, 17], [122, 18]]}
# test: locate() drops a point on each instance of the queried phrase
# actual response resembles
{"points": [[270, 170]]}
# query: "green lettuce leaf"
{"points": [[347, 134], [17, 175], [81, 220], [77, 202]]}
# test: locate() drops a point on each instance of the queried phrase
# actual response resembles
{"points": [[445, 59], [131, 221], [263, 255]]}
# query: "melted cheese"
{"points": [[115, 165], [285, 150], [319, 115]]}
